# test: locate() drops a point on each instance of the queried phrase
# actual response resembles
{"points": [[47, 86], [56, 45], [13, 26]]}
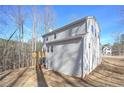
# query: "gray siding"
{"points": [[71, 31], [91, 57], [76, 49], [66, 58]]}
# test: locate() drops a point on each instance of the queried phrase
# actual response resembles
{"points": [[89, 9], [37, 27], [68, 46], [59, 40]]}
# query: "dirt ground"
{"points": [[109, 73], [55, 79]]}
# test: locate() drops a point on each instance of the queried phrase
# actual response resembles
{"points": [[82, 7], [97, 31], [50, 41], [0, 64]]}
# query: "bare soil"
{"points": [[109, 73]]}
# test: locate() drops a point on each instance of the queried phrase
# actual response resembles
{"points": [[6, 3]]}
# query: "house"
{"points": [[74, 49], [107, 51]]}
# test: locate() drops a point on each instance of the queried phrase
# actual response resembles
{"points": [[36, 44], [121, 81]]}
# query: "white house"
{"points": [[74, 49], [107, 51]]}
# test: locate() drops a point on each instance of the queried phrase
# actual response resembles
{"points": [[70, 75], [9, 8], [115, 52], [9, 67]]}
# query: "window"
{"points": [[48, 49], [95, 32], [89, 45], [51, 48], [55, 36], [46, 38], [92, 28]]}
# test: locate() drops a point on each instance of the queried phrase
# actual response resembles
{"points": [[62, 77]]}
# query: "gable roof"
{"points": [[69, 25]]}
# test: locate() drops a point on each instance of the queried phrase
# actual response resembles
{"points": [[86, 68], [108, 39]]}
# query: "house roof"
{"points": [[107, 47], [69, 25]]}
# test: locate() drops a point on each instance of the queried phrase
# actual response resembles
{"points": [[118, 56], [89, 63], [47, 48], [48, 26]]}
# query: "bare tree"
{"points": [[15, 50], [36, 27], [49, 18], [117, 35], [17, 16]]}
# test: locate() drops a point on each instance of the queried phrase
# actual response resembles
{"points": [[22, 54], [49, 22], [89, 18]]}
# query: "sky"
{"points": [[107, 16]]}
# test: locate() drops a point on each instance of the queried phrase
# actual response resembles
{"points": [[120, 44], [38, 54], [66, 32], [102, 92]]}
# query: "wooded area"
{"points": [[18, 44]]}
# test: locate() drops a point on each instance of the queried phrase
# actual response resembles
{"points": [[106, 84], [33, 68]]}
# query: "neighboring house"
{"points": [[107, 51], [75, 48]]}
